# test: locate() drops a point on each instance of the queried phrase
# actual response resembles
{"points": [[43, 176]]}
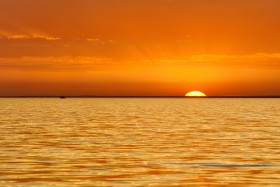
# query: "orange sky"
{"points": [[139, 47]]}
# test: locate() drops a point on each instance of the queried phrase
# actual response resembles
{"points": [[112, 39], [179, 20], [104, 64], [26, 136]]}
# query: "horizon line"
{"points": [[89, 96]]}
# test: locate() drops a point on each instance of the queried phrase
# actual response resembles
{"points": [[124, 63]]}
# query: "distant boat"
{"points": [[62, 97]]}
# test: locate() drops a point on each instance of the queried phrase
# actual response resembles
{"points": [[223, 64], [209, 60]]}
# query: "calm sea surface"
{"points": [[139, 142]]}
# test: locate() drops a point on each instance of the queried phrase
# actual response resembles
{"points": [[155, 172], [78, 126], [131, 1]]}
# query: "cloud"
{"points": [[92, 39], [90, 63], [65, 63], [31, 36], [257, 59], [27, 35], [99, 41]]}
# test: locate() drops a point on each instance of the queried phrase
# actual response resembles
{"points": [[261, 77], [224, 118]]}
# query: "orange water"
{"points": [[139, 142]]}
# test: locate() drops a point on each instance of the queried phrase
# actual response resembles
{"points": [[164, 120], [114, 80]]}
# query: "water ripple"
{"points": [[139, 142]]}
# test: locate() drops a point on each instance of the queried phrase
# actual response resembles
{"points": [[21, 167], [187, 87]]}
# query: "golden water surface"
{"points": [[139, 142]]}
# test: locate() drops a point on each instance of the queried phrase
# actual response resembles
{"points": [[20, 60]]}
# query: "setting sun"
{"points": [[195, 94]]}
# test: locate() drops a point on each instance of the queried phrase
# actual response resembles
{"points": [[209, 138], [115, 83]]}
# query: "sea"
{"points": [[126, 142]]}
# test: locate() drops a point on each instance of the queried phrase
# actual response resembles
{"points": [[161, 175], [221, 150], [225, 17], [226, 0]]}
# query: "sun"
{"points": [[195, 94]]}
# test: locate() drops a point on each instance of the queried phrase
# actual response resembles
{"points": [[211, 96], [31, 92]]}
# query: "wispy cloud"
{"points": [[99, 41], [93, 39], [268, 59], [32, 36], [89, 63], [64, 63], [27, 35]]}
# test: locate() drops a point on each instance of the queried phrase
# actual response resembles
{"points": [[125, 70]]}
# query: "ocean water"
{"points": [[139, 142]]}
